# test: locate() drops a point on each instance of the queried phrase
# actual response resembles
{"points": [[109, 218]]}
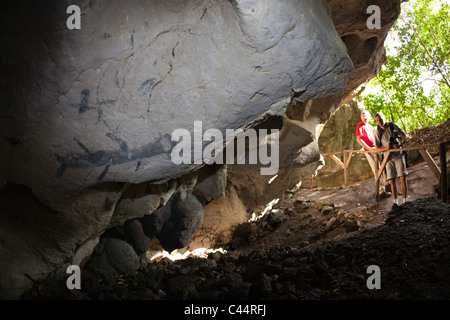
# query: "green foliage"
{"points": [[413, 87]]}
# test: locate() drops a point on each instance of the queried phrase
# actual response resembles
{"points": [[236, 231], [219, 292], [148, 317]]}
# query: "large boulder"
{"points": [[305, 119], [113, 256], [186, 216], [87, 115], [100, 104]]}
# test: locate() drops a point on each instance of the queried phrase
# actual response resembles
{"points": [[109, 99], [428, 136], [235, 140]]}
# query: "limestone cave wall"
{"points": [[87, 118]]}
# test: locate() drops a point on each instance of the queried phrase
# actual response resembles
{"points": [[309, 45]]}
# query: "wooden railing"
{"points": [[439, 173]]}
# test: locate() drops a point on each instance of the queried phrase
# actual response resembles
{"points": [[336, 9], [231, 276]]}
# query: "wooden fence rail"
{"points": [[439, 173]]}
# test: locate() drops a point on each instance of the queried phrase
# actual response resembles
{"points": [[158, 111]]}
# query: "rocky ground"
{"points": [[411, 249], [304, 249], [318, 244]]}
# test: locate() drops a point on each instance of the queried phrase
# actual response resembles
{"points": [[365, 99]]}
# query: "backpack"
{"points": [[391, 126]]}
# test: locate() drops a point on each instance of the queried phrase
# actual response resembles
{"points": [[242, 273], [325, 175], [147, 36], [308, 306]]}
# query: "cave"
{"points": [[88, 116]]}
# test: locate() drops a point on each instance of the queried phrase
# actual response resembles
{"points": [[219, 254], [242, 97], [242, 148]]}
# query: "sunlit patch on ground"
{"points": [[157, 255]]}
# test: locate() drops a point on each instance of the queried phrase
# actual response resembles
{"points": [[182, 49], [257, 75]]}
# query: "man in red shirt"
{"points": [[365, 132], [365, 135]]}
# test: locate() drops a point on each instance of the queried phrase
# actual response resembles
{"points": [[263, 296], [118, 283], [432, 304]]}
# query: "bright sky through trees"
{"points": [[413, 87]]}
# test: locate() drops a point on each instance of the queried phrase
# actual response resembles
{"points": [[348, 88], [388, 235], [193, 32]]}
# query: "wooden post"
{"points": [[341, 164], [347, 162], [377, 192], [337, 160], [430, 162], [345, 169], [349, 158], [377, 179], [443, 160], [379, 173]]}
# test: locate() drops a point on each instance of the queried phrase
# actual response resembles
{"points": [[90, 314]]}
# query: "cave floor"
{"points": [[315, 245]]}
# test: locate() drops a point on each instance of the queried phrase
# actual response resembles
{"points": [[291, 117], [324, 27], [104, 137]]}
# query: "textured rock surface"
{"points": [[339, 134], [100, 104], [185, 218], [411, 248], [113, 256], [220, 218], [87, 115], [366, 49]]}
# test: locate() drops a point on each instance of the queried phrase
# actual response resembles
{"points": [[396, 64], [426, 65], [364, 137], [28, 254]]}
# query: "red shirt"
{"points": [[366, 132]]}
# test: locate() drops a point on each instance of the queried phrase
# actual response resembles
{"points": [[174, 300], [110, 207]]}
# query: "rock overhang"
{"points": [[106, 98], [89, 113]]}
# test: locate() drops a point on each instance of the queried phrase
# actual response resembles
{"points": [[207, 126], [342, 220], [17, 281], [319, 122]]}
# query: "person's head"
{"points": [[365, 116], [381, 119]]}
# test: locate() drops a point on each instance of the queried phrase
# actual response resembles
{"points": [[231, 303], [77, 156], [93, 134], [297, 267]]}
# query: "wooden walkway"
{"points": [[439, 173]]}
